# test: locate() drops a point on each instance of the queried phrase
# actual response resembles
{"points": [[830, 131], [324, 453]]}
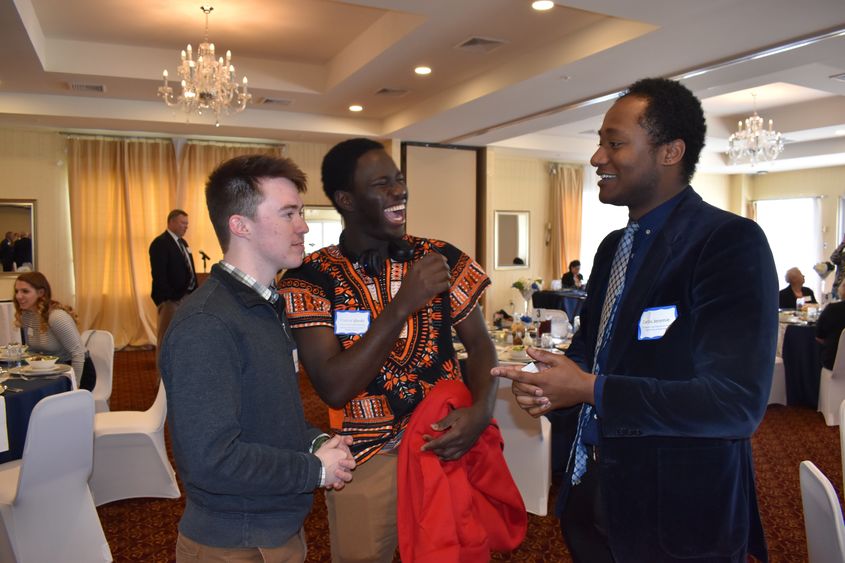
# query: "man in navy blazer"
{"points": [[172, 266], [685, 373]]}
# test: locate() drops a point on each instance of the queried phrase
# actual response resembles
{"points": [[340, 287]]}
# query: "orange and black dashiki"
{"points": [[423, 354]]}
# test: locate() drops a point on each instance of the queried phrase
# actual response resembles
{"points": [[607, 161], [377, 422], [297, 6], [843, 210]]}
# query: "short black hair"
{"points": [[339, 164], [175, 213], [574, 264], [234, 188], [673, 112]]}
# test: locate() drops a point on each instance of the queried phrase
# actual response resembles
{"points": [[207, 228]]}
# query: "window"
{"points": [[324, 227], [793, 227], [597, 221]]}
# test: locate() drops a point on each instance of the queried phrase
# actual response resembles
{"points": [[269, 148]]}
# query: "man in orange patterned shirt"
{"points": [[372, 318]]}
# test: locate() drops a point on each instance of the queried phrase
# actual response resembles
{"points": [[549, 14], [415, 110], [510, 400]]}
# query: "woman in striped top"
{"points": [[48, 326]]}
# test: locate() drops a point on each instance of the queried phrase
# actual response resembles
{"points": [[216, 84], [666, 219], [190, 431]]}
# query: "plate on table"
{"points": [[31, 371], [519, 355]]}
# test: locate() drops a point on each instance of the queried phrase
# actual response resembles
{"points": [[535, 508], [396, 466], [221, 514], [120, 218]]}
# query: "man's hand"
{"points": [[461, 428], [337, 461], [559, 383], [427, 277]]}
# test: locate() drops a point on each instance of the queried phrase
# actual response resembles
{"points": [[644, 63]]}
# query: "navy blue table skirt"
{"points": [[801, 365], [568, 301], [19, 407]]}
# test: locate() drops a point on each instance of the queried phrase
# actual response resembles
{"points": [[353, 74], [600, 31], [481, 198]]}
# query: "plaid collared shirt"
{"points": [[268, 293]]}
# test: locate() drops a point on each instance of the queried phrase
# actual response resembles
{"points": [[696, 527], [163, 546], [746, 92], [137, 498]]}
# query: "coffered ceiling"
{"points": [[524, 82]]}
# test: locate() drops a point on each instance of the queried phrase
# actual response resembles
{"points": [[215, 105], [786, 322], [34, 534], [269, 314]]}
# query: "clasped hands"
{"points": [[559, 383], [337, 461]]}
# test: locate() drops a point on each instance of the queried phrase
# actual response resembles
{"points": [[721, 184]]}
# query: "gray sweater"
{"points": [[240, 438]]}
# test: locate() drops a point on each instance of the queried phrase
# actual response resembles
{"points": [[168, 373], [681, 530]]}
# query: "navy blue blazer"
{"points": [[677, 413], [170, 272]]}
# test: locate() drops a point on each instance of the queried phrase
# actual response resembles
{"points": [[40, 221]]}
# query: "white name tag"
{"points": [[655, 321], [351, 322]]}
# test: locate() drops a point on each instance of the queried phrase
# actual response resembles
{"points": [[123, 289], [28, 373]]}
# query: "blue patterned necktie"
{"points": [[615, 285]]}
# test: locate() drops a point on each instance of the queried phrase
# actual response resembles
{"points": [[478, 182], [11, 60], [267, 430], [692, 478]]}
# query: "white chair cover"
{"points": [[528, 449], [130, 459], [842, 441], [832, 386], [777, 395], [822, 517], [45, 502], [100, 345]]}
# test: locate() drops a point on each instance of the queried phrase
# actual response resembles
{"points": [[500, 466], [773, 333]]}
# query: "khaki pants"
{"points": [[189, 551], [362, 515], [165, 314]]}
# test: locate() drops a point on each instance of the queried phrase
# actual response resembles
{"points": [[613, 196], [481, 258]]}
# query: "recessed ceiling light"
{"points": [[423, 70], [542, 5], [356, 107], [840, 131]]}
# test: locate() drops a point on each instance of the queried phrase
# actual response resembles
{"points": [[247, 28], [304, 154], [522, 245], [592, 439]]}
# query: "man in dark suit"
{"points": [[7, 252], [671, 372], [172, 268]]}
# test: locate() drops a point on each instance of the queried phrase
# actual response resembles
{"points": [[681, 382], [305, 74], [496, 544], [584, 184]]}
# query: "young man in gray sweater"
{"points": [[247, 457]]}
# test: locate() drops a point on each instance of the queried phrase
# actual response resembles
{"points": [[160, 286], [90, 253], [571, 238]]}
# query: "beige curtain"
{"points": [[565, 215], [120, 193], [197, 161]]}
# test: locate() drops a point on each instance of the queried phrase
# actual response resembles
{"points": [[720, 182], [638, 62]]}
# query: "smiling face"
{"points": [[379, 196], [278, 228], [27, 296], [633, 170]]}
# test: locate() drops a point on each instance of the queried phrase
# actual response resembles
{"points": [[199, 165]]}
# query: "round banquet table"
{"points": [[19, 408], [801, 365]]}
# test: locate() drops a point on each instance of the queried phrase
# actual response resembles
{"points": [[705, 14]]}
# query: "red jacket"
{"points": [[455, 511]]}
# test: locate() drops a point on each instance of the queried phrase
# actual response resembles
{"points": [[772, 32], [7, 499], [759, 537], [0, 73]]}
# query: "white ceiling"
{"points": [[526, 95]]}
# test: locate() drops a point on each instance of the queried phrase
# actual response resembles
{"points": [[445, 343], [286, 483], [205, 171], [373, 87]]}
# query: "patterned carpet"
{"points": [[144, 530]]}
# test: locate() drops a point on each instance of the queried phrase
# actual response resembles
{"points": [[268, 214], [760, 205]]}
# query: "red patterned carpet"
{"points": [[144, 530]]}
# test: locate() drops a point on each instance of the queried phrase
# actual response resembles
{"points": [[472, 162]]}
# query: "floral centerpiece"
{"points": [[823, 269], [526, 288]]}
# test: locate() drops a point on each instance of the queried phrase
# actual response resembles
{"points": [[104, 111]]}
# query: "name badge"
{"points": [[656, 321], [351, 322]]}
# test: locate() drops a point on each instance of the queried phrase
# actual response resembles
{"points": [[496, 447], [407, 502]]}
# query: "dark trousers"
{"points": [[583, 520]]}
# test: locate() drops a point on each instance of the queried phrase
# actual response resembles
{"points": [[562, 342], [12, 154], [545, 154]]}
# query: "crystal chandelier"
{"points": [[753, 142], [208, 85]]}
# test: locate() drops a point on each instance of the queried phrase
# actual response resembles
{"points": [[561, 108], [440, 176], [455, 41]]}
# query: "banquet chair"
{"points": [[527, 451], [130, 459], [100, 346], [777, 395], [822, 516], [832, 386], [46, 508]]}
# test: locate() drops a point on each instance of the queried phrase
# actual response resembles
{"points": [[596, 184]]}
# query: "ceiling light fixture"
{"points": [[423, 70], [356, 107], [542, 5], [207, 84], [753, 142]]}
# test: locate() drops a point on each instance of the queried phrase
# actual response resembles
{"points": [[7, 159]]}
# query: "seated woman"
{"points": [[573, 278], [789, 295], [829, 327], [48, 326]]}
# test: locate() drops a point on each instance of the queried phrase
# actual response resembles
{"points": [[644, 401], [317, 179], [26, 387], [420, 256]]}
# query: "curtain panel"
{"points": [[120, 193], [566, 195]]}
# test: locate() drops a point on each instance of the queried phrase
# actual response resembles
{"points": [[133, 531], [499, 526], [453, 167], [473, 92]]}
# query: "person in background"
{"points": [[172, 267], [372, 318], [23, 252], [671, 376], [838, 260], [7, 252], [788, 296], [48, 326], [829, 327], [573, 279], [247, 457]]}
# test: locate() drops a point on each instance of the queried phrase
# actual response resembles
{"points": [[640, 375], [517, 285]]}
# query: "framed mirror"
{"points": [[511, 234], [17, 229]]}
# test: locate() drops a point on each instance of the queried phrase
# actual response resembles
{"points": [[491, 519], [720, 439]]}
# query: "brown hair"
{"points": [[45, 303]]}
